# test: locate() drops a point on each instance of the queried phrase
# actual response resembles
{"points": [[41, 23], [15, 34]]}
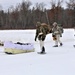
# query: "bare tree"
{"points": [[71, 12], [24, 12], [59, 3], [53, 4], [39, 12], [71, 4], [56, 10]]}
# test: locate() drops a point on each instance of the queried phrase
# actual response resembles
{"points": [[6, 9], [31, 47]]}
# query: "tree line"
{"points": [[25, 17]]}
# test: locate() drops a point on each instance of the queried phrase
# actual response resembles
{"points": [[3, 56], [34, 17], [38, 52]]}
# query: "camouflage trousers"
{"points": [[41, 44], [57, 41]]}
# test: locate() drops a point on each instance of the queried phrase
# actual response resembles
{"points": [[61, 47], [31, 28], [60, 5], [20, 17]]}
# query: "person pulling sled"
{"points": [[42, 29]]}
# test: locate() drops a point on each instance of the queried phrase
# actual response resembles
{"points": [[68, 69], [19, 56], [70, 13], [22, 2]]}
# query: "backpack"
{"points": [[61, 28], [46, 27]]}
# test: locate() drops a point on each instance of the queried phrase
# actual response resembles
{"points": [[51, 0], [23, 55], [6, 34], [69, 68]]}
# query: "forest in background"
{"points": [[22, 16]]}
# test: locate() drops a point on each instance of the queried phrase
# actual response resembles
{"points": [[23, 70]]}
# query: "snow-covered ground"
{"points": [[57, 61]]}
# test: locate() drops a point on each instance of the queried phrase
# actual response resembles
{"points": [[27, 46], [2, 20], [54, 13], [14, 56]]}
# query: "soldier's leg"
{"points": [[42, 46], [56, 42], [59, 40]]}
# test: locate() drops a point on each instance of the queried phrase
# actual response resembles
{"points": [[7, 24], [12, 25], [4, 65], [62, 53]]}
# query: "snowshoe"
{"points": [[41, 52], [55, 46]]}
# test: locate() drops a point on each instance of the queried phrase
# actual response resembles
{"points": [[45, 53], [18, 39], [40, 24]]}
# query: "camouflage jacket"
{"points": [[40, 33], [56, 30]]}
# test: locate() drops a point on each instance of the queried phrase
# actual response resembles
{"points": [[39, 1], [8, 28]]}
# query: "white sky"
{"points": [[7, 3]]}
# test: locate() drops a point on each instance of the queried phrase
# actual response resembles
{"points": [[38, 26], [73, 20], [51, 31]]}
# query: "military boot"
{"points": [[61, 44], [43, 50], [55, 46]]}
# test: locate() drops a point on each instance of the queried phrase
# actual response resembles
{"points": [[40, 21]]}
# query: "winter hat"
{"points": [[43, 24], [38, 23], [54, 23]]}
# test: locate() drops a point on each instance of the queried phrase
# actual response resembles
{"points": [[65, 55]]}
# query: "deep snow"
{"points": [[57, 61]]}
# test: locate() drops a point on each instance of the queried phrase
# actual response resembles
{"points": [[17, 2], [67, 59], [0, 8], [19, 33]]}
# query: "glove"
{"points": [[53, 35], [54, 38], [50, 31]]}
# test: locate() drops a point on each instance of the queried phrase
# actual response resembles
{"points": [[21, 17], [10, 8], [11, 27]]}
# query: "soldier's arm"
{"points": [[36, 35]]}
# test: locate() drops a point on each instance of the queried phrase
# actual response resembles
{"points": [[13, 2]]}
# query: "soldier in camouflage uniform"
{"points": [[41, 32], [56, 34], [61, 29]]}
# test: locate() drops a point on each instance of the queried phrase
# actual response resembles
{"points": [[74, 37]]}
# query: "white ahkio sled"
{"points": [[17, 48]]}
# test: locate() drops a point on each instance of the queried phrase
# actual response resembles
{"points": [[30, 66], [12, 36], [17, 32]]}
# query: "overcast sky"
{"points": [[7, 3]]}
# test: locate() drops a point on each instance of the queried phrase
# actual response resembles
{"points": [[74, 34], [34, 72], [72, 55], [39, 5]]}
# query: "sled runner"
{"points": [[41, 53]]}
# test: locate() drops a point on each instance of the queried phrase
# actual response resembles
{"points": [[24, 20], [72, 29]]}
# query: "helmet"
{"points": [[43, 24], [54, 23], [38, 23]]}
